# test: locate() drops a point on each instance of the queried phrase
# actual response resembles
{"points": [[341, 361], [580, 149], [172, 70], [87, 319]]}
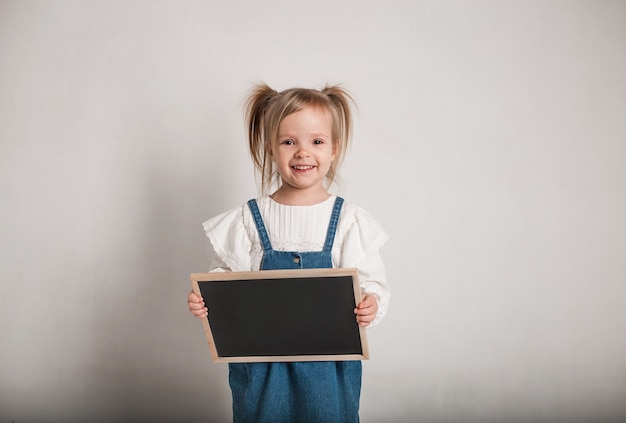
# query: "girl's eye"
{"points": [[318, 141], [287, 142]]}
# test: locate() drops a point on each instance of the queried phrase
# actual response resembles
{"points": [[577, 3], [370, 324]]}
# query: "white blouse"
{"points": [[358, 239]]}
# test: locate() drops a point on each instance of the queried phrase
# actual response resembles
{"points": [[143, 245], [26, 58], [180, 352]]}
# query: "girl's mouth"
{"points": [[303, 167]]}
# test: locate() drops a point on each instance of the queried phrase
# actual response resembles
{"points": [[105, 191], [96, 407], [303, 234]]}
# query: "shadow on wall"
{"points": [[152, 361]]}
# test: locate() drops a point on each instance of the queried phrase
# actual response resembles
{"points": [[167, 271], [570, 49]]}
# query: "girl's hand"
{"points": [[366, 310], [196, 306]]}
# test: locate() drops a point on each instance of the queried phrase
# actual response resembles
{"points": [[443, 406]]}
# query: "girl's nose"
{"points": [[302, 152]]}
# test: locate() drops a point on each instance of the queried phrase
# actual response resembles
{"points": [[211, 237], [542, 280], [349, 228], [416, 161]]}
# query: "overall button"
{"points": [[296, 259]]}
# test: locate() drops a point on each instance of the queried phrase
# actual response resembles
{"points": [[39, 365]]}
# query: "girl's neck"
{"points": [[298, 197]]}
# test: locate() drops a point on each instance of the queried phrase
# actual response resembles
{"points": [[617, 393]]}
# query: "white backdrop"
{"points": [[490, 143]]}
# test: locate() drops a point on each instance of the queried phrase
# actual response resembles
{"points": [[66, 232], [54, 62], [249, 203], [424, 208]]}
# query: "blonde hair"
{"points": [[265, 109]]}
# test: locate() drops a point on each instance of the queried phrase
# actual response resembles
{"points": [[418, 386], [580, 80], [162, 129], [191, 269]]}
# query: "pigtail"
{"points": [[340, 101], [256, 106]]}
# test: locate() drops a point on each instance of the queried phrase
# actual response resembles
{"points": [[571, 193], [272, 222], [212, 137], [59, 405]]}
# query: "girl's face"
{"points": [[304, 151]]}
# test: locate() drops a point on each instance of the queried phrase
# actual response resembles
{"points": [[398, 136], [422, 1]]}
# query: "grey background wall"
{"points": [[490, 143]]}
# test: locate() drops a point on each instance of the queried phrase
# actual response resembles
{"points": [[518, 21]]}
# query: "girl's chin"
{"points": [[303, 186]]}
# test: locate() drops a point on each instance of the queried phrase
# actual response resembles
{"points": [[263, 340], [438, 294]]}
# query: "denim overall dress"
{"points": [[286, 392]]}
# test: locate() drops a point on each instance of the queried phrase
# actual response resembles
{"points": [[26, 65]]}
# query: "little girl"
{"points": [[297, 139]]}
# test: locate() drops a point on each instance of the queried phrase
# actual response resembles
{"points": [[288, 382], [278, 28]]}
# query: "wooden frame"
{"points": [[282, 315]]}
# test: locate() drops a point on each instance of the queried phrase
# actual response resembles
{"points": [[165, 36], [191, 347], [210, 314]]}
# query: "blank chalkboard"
{"points": [[282, 315]]}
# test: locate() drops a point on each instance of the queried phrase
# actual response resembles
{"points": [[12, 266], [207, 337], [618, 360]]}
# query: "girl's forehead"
{"points": [[316, 109], [307, 119]]}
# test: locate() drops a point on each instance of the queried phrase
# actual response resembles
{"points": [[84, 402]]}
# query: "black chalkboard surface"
{"points": [[282, 315]]}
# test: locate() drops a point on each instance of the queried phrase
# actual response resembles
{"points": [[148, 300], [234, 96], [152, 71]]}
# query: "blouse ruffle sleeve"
{"points": [[230, 241], [362, 238]]}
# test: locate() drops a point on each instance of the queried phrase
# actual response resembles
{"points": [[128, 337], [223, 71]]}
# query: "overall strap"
{"points": [[332, 227], [260, 226]]}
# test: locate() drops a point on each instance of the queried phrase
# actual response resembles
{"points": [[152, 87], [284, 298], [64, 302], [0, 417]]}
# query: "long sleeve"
{"points": [[359, 243], [219, 265]]}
